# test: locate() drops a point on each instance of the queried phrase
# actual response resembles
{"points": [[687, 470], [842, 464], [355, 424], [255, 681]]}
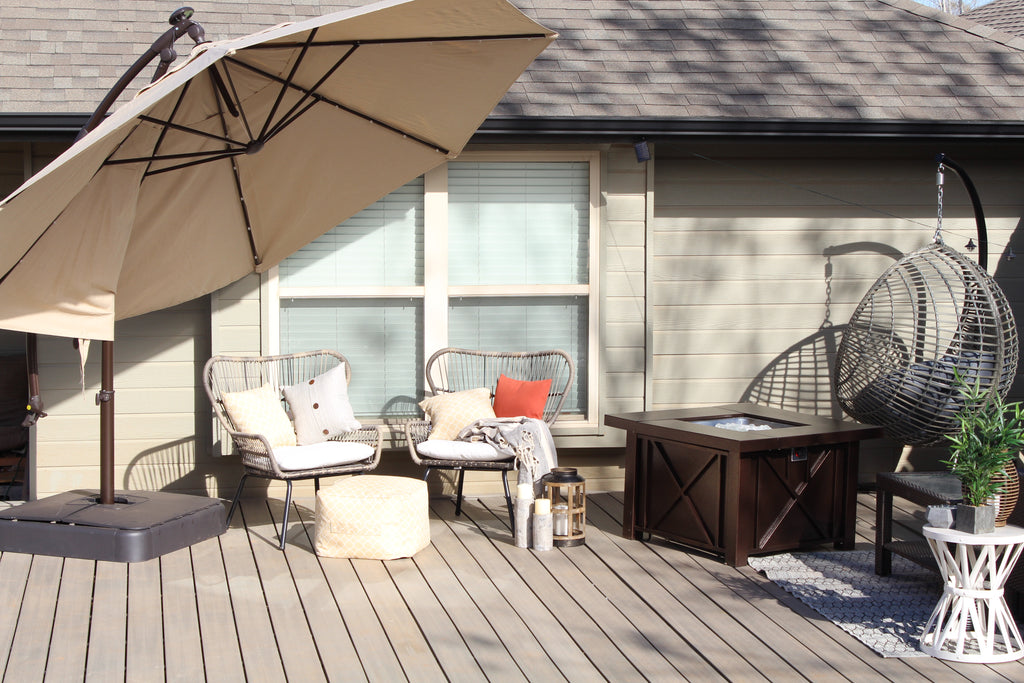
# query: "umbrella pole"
{"points": [[105, 400]]}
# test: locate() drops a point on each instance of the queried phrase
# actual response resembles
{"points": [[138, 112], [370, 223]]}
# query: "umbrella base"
{"points": [[139, 526]]}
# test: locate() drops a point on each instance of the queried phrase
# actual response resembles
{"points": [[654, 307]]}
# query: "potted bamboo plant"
{"points": [[989, 436]]}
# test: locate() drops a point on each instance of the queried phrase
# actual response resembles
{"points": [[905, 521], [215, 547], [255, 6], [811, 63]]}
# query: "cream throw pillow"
{"points": [[449, 413], [259, 411], [321, 407]]}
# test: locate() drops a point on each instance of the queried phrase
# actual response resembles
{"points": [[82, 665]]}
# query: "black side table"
{"points": [[923, 488]]}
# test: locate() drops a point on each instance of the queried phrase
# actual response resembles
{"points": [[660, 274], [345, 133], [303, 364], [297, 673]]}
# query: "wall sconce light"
{"points": [[643, 152], [567, 492]]}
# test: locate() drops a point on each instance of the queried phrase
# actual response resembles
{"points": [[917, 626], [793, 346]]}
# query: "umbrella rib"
{"points": [[256, 258], [286, 83], [281, 125], [199, 157], [196, 162], [307, 93], [339, 105], [241, 109], [222, 90], [163, 129], [194, 131]]}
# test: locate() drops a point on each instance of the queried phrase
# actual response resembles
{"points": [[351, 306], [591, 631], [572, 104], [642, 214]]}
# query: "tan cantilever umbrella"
{"points": [[245, 152]]}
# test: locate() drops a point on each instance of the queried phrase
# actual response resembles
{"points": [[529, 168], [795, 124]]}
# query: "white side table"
{"points": [[972, 623]]}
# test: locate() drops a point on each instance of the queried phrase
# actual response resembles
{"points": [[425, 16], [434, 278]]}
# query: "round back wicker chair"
{"points": [[932, 316]]}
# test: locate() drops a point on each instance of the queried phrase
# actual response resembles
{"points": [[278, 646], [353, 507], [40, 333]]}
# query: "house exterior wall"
{"points": [[761, 250], [724, 270], [238, 311], [161, 426]]}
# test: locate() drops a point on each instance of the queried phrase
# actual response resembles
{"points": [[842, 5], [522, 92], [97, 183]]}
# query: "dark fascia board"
{"points": [[500, 129], [49, 126], [38, 127]]}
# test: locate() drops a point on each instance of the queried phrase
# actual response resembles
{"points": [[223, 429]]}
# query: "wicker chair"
{"points": [[450, 370], [228, 374]]}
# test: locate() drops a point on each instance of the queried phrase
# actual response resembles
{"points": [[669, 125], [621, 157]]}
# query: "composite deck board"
{"points": [[14, 568], [295, 643], [260, 653], [687, 579], [145, 652], [753, 593], [35, 624], [469, 607], [183, 644], [442, 636], [408, 641], [108, 624], [70, 637], [488, 650], [521, 641], [711, 646], [369, 638], [221, 654], [532, 607], [328, 629], [603, 636]]}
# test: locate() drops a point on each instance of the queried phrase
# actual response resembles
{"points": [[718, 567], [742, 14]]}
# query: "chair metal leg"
{"points": [[316, 484], [508, 502], [287, 505], [238, 495], [458, 497], [426, 474]]}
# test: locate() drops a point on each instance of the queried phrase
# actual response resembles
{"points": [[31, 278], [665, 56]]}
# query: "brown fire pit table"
{"points": [[741, 479]]}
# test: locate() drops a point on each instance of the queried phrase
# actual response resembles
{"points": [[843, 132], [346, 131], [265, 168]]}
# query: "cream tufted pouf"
{"points": [[372, 517]]}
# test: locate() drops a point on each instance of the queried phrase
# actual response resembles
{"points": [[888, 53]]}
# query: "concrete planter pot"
{"points": [[976, 519]]}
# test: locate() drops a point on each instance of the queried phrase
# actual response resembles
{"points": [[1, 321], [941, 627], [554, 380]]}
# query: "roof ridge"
{"points": [[970, 26]]}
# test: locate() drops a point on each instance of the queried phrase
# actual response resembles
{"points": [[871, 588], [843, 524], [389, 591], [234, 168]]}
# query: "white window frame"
{"points": [[435, 292]]}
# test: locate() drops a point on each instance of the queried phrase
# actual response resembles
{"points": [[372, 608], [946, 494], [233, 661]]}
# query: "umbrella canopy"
{"points": [[247, 151]]}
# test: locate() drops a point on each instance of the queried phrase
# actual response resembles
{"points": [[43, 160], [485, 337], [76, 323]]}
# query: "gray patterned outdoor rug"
{"points": [[886, 613]]}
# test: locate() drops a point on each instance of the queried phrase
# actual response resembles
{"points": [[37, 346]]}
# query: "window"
{"points": [[491, 252]]}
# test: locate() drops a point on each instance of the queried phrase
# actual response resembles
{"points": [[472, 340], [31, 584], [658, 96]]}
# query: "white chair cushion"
{"points": [[321, 407], [440, 449], [324, 454]]}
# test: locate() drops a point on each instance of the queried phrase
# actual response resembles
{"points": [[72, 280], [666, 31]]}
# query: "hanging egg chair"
{"points": [[932, 316]]}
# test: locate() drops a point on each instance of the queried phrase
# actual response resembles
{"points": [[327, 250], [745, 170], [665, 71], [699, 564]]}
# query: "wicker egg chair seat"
{"points": [[933, 315]]}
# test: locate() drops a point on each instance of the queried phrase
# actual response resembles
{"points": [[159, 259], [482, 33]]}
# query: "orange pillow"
{"points": [[516, 398]]}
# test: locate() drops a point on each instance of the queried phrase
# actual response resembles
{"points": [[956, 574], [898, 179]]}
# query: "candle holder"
{"points": [[567, 492]]}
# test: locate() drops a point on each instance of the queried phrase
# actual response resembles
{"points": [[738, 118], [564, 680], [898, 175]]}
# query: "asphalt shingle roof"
{"points": [[1005, 15], [734, 60]]}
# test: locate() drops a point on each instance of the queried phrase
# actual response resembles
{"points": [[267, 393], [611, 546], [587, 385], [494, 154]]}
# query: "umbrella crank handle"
{"points": [[181, 23], [104, 396]]}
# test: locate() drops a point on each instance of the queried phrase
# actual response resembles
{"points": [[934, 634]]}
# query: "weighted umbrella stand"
{"points": [[122, 526]]}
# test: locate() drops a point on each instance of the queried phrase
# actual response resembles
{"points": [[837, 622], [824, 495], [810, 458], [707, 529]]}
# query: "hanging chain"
{"points": [[939, 181]]}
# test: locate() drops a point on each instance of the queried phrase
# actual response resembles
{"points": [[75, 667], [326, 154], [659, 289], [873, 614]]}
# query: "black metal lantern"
{"points": [[567, 492]]}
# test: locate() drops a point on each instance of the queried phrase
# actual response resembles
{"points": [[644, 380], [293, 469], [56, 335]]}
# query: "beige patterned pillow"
{"points": [[259, 411], [449, 413]]}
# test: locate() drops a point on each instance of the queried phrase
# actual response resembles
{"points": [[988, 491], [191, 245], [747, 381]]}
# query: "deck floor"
{"points": [[470, 607]]}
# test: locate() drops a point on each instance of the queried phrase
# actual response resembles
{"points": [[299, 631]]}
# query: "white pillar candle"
{"points": [[560, 520], [524, 491], [542, 506]]}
